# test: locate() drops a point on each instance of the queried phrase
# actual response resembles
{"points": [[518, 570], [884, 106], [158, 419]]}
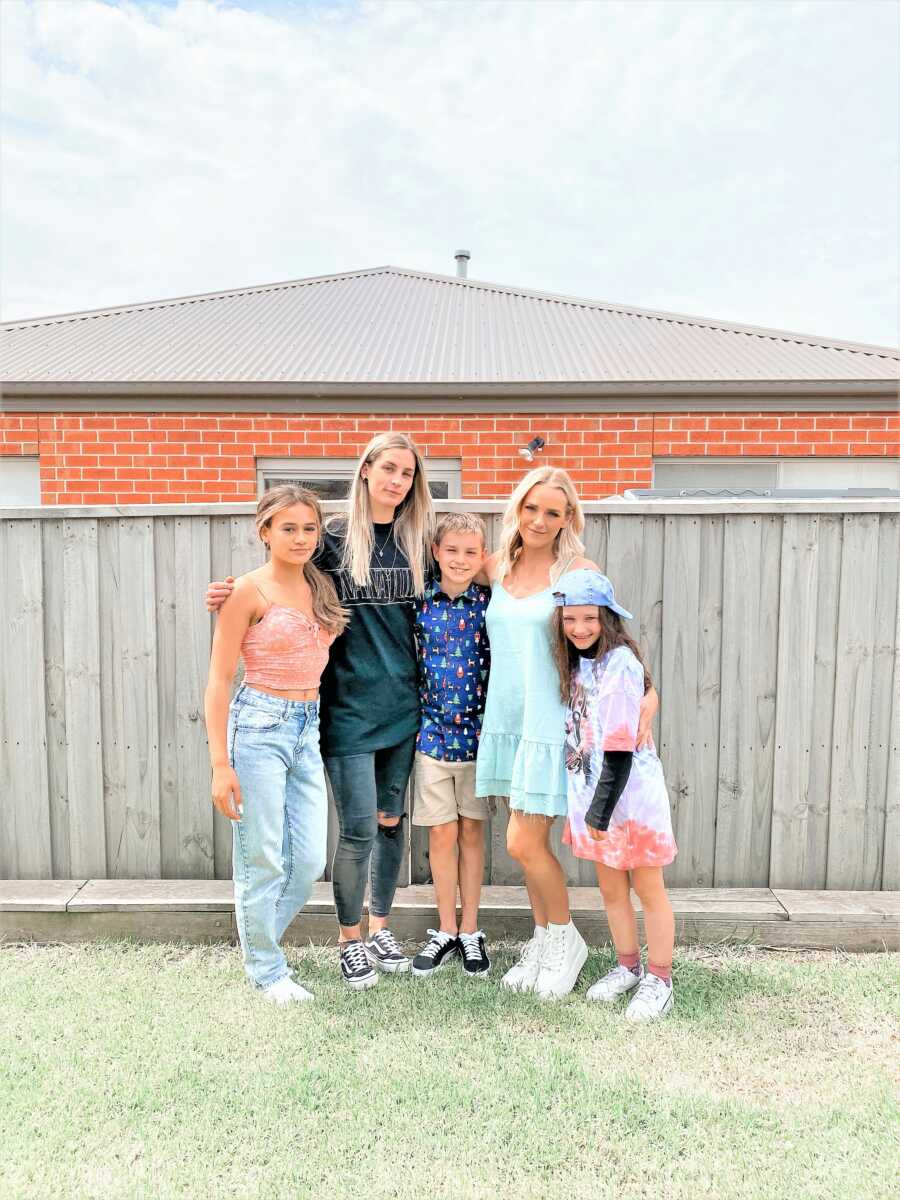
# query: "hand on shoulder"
{"points": [[489, 569], [218, 592]]}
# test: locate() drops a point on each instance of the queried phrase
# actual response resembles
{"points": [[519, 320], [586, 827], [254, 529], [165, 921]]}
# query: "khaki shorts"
{"points": [[446, 791]]}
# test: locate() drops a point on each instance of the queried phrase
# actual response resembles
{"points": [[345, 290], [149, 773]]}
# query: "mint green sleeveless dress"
{"points": [[521, 753]]}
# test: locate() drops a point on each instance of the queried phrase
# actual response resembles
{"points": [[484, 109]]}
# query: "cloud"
{"points": [[730, 159]]}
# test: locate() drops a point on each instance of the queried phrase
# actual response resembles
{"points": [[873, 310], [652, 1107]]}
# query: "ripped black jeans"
{"points": [[365, 785]]}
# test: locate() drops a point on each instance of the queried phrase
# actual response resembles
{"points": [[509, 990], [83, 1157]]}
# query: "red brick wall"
{"points": [[143, 458]]}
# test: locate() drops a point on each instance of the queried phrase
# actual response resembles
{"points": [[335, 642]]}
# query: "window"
{"points": [[20, 481], [330, 478], [760, 473]]}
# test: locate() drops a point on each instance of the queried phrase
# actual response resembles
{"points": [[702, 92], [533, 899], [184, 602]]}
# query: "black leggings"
{"points": [[365, 785]]}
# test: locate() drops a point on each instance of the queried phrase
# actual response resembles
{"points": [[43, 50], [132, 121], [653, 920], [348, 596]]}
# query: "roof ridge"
{"points": [[90, 314], [733, 327], [783, 335]]}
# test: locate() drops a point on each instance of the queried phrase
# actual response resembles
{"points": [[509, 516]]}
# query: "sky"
{"points": [[736, 160]]}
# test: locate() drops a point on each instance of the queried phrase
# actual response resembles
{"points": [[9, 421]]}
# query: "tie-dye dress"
{"points": [[602, 714]]}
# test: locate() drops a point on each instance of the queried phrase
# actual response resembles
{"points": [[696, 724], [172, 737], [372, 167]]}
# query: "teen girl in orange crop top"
{"points": [[267, 773]]}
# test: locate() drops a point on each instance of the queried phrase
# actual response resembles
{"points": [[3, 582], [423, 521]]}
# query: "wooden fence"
{"points": [[771, 629]]}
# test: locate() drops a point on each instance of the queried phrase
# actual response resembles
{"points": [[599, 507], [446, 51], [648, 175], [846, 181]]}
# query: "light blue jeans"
{"points": [[280, 841]]}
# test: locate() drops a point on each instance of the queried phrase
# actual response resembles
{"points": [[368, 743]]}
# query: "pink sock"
{"points": [[631, 961], [664, 973]]}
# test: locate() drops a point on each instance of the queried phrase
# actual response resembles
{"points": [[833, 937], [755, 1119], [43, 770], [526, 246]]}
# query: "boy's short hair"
{"points": [[459, 522]]}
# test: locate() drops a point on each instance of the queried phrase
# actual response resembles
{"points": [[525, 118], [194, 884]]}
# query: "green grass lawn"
{"points": [[140, 1070]]}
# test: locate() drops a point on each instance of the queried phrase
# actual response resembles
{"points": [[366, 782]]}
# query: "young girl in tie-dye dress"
{"points": [[618, 807]]}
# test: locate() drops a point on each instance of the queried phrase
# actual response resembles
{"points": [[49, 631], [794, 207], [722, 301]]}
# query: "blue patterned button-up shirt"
{"points": [[454, 660]]}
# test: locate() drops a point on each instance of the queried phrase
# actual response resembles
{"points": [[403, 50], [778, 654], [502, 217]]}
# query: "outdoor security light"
{"points": [[535, 446]]}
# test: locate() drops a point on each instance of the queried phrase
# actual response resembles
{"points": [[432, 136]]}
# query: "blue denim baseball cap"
{"points": [[587, 587]]}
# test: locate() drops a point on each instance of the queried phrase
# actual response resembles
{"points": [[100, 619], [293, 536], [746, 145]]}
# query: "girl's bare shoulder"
{"points": [[580, 564], [246, 593]]}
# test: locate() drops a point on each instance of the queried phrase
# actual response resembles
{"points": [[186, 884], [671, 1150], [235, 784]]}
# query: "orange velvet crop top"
{"points": [[285, 651]]}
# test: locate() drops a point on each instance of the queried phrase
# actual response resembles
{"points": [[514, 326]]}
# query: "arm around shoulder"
{"points": [[488, 572]]}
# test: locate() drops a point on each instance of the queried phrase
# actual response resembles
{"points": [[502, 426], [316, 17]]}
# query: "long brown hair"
{"points": [[326, 607], [612, 634]]}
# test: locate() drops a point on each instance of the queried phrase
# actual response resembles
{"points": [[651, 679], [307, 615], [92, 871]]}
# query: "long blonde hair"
{"points": [[568, 544], [326, 607], [413, 517]]}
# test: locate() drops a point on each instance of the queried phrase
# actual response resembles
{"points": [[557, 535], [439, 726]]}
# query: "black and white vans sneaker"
{"points": [[384, 952], [474, 953], [437, 952], [355, 966]]}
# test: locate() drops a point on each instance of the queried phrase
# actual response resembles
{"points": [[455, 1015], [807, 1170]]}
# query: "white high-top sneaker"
{"points": [[286, 991], [522, 975], [565, 953]]}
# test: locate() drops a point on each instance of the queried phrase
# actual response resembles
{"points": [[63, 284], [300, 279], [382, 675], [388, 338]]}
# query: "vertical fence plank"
{"points": [[164, 570], [138, 852], [891, 873], [247, 551], [115, 795], [830, 553], [807, 628], [751, 565], [855, 826], [192, 643], [129, 710], [55, 691], [84, 751], [650, 601], [883, 698], [679, 686], [595, 538], [27, 721], [26, 800], [624, 563], [9, 851], [709, 672], [690, 679]]}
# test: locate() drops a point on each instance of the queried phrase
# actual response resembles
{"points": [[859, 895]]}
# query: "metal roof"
{"points": [[391, 325]]}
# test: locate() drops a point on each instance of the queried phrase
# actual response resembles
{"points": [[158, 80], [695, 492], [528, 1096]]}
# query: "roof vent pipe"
{"points": [[462, 259]]}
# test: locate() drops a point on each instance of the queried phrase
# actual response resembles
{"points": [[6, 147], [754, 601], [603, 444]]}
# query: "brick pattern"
{"points": [[157, 458], [19, 434], [831, 435]]}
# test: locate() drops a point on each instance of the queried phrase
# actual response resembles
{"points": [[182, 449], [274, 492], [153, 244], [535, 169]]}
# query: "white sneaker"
{"points": [[654, 999], [565, 953], [285, 991], [522, 976], [615, 983]]}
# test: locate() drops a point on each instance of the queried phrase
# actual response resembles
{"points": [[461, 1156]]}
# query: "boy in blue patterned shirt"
{"points": [[454, 660]]}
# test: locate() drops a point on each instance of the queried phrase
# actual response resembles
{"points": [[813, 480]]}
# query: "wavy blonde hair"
{"points": [[326, 607], [413, 516], [568, 544]]}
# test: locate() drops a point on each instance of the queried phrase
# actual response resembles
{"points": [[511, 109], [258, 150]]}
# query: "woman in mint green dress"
{"points": [[521, 754]]}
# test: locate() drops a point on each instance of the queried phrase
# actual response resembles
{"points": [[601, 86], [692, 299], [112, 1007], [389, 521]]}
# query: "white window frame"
{"points": [[20, 480], [780, 466], [440, 470]]}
